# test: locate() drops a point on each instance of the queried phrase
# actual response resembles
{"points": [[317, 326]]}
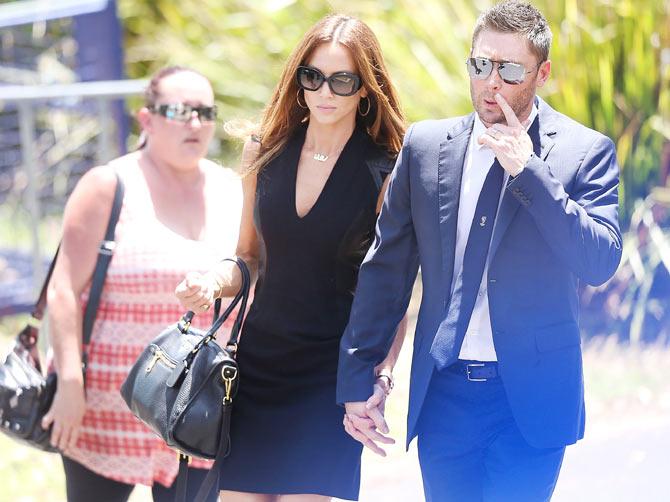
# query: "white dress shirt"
{"points": [[478, 342]]}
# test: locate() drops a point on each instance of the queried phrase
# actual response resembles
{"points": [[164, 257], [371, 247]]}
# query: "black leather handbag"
{"points": [[25, 393], [183, 384]]}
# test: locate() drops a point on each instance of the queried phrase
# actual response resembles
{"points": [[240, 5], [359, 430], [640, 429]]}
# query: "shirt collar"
{"points": [[479, 127]]}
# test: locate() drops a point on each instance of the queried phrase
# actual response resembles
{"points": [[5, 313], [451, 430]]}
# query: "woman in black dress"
{"points": [[314, 185]]}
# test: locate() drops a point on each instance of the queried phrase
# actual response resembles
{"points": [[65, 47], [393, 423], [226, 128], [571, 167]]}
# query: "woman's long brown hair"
{"points": [[385, 122]]}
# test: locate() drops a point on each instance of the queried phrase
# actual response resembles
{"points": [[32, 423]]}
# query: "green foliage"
{"points": [[611, 59], [612, 72]]}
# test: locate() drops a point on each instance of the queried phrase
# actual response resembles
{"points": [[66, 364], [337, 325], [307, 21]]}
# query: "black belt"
{"points": [[475, 371]]}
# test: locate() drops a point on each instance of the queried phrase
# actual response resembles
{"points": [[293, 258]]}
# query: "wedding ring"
{"points": [[205, 307]]}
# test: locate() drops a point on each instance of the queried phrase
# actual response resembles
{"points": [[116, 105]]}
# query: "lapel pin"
{"points": [[482, 222]]}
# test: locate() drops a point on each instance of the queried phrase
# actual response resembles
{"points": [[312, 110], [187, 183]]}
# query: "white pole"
{"points": [[27, 131], [105, 116]]}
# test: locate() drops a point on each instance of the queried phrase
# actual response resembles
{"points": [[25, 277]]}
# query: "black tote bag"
{"points": [[183, 384]]}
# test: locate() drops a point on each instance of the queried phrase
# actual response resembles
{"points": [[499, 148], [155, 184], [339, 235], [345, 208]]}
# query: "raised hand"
{"points": [[510, 143]]}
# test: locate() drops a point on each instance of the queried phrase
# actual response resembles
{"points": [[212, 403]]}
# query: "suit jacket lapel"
{"points": [[450, 173], [541, 133]]}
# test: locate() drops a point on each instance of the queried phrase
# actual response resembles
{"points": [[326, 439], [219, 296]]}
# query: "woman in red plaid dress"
{"points": [[180, 212]]}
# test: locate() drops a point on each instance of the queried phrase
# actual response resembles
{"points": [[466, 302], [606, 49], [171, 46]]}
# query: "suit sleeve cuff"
{"points": [[355, 380]]}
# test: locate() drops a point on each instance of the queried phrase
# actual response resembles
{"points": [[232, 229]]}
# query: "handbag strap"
{"points": [[105, 253], [182, 478], [102, 263], [242, 297], [211, 481], [40, 306]]}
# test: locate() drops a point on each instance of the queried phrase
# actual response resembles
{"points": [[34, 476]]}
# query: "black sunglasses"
{"points": [[511, 73], [341, 83], [182, 112]]}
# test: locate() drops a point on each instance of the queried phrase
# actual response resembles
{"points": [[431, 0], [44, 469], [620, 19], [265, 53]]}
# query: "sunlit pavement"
{"points": [[624, 465], [628, 464]]}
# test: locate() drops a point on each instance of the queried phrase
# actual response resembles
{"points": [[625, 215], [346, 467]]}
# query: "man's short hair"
{"points": [[521, 18]]}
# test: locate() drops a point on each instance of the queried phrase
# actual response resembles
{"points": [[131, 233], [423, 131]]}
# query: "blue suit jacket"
{"points": [[557, 225]]}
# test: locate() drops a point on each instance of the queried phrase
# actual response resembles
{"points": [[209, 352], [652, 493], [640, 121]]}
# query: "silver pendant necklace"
{"points": [[321, 157]]}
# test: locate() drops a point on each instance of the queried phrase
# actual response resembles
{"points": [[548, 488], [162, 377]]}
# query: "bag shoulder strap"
{"points": [[104, 257], [105, 253], [40, 306]]}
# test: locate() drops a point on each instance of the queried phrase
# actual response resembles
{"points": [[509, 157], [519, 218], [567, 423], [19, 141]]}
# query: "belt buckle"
{"points": [[467, 372]]}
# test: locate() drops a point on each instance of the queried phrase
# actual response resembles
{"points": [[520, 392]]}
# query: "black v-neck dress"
{"points": [[287, 435]]}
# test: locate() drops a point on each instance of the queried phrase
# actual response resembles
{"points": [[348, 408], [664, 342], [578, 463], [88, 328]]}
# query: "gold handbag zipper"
{"points": [[159, 355]]}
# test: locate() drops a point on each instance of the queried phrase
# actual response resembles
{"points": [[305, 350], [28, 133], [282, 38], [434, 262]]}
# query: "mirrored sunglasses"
{"points": [[341, 83], [510, 73], [182, 112]]}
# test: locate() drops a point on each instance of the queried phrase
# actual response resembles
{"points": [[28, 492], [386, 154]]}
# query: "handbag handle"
{"points": [[100, 272], [212, 478], [241, 296], [244, 292]]}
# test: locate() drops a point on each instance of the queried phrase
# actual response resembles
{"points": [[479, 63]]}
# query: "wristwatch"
{"points": [[387, 377]]}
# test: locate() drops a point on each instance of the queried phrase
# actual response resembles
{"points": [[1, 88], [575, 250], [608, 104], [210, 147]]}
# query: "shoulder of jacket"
{"points": [[433, 132]]}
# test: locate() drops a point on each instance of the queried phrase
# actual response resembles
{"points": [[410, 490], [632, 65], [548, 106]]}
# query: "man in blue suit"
{"points": [[506, 211]]}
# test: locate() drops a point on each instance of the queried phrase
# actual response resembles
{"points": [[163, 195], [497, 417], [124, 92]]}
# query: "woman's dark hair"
{"points": [[152, 92]]}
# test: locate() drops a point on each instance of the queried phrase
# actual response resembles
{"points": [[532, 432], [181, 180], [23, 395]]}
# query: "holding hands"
{"points": [[510, 143], [365, 422]]}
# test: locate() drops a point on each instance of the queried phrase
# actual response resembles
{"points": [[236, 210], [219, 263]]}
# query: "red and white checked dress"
{"points": [[137, 303]]}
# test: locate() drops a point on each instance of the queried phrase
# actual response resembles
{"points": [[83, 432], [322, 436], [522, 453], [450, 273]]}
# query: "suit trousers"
{"points": [[470, 448]]}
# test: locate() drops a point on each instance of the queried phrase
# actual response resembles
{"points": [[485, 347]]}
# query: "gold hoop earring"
{"points": [[366, 111], [297, 98]]}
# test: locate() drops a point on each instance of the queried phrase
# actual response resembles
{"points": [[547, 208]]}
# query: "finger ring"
{"points": [[205, 307]]}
